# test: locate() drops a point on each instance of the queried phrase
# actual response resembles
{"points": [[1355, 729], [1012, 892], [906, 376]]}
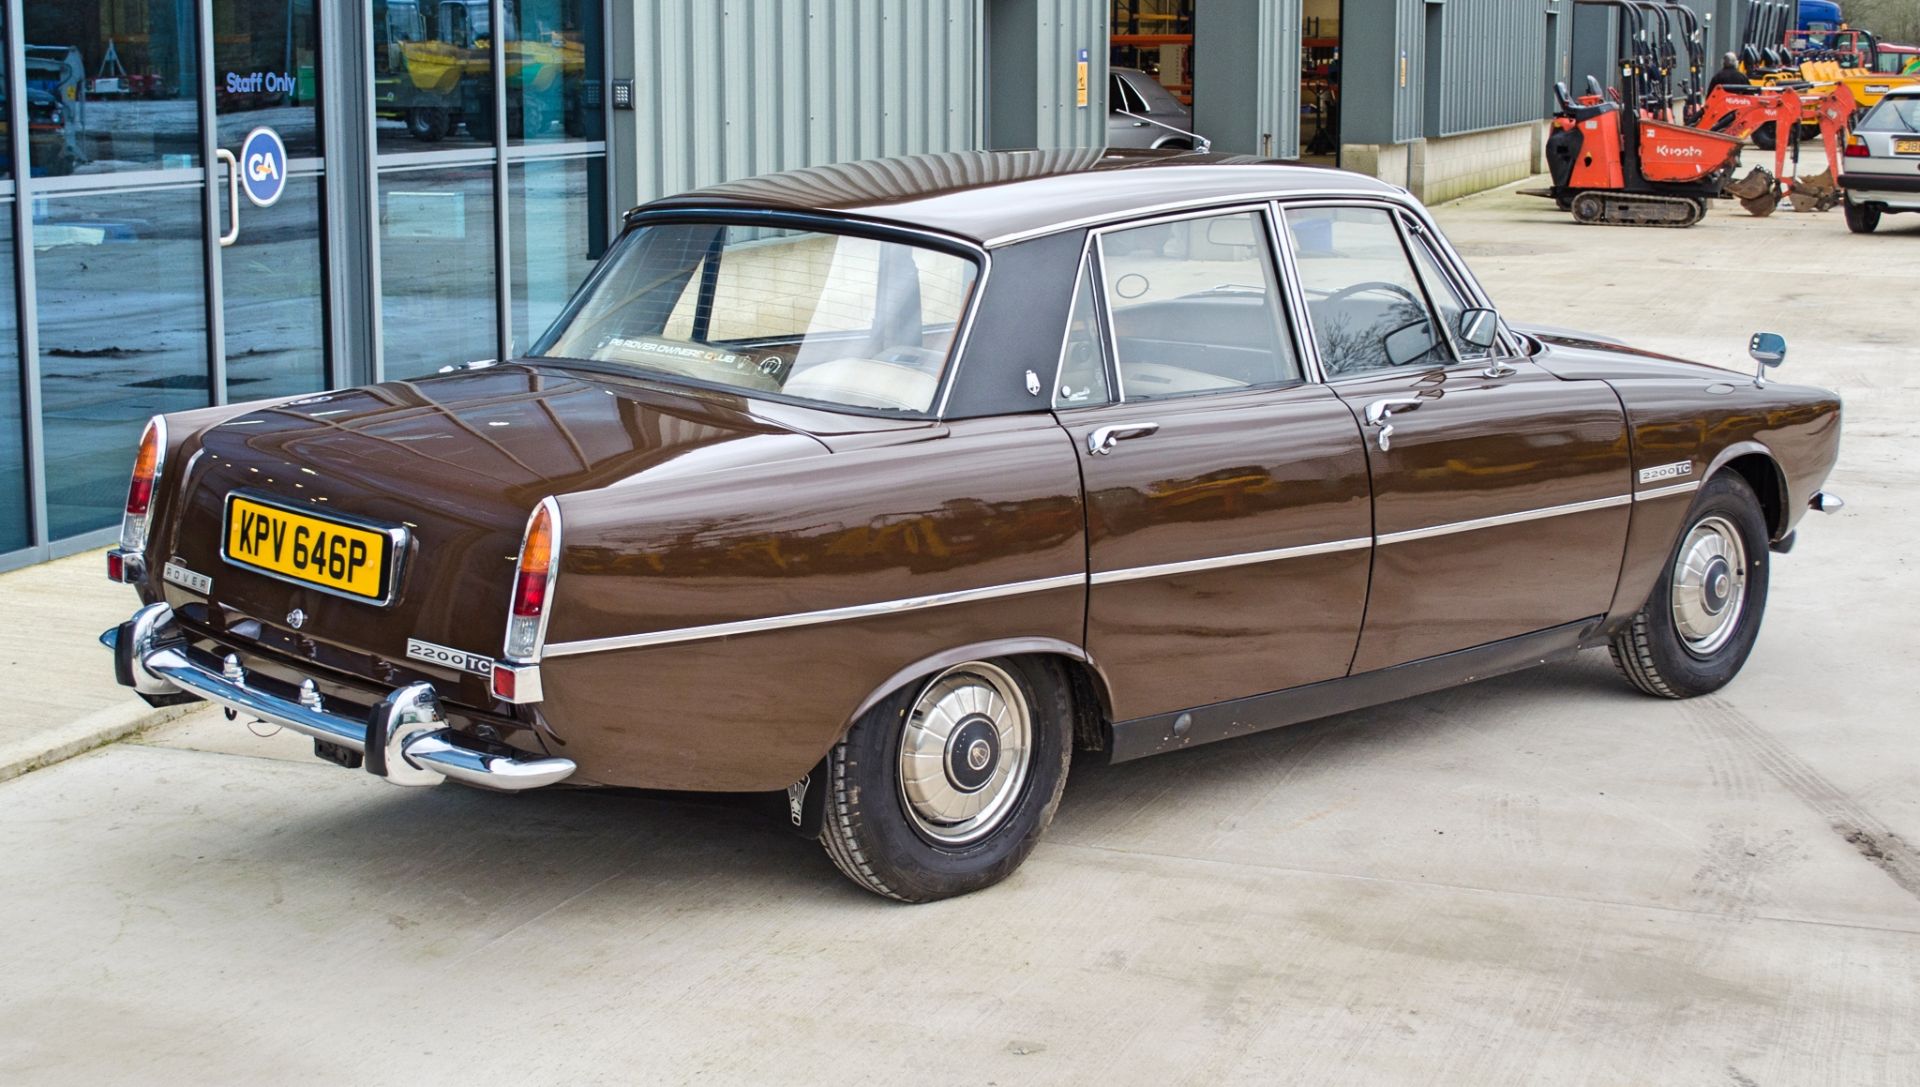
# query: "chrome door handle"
{"points": [[1497, 368], [1103, 439], [1378, 414], [233, 195]]}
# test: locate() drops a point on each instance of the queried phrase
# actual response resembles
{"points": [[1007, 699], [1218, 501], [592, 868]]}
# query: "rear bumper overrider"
{"points": [[404, 738]]}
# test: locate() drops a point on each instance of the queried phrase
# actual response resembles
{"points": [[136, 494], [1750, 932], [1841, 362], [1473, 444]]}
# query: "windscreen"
{"points": [[1892, 115], [835, 318]]}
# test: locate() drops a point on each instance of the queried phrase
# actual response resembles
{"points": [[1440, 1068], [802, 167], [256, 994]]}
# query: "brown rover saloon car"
{"points": [[896, 485]]}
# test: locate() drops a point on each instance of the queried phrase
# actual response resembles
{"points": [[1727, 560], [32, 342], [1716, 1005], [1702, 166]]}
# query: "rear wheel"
{"points": [[1764, 137], [1701, 621], [1862, 218], [946, 786]]}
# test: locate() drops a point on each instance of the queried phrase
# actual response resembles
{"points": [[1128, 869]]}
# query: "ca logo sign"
{"points": [[263, 167]]}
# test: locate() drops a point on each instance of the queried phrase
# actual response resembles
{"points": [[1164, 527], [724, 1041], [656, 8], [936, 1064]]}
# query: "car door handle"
{"points": [[1380, 412], [1103, 439]]}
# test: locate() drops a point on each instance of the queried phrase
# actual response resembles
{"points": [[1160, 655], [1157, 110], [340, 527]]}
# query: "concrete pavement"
{"points": [[1545, 877]]}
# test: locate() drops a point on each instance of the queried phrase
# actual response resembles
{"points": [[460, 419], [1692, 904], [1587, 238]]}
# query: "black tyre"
{"points": [[1701, 621], [1764, 137], [428, 124], [946, 786], [1861, 218]]}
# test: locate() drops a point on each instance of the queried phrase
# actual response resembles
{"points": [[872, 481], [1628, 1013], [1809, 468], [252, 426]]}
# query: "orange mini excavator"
{"points": [[1745, 111], [1617, 168]]}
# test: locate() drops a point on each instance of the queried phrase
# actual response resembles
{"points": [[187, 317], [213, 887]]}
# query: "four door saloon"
{"points": [[899, 485]]}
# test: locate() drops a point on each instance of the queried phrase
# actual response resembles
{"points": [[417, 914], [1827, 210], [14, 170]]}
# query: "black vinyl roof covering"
{"points": [[995, 196]]}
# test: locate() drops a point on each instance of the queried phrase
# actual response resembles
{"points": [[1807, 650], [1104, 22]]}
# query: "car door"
{"points": [[1500, 492], [1228, 517]]}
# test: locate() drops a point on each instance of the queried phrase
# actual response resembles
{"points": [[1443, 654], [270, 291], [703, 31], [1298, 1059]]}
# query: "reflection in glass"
{"points": [[14, 533], [553, 50], [557, 231], [106, 367], [272, 279], [437, 301], [432, 74], [266, 72], [111, 86]]}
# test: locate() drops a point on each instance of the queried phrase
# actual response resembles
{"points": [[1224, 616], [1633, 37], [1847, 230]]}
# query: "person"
{"points": [[1729, 73]]}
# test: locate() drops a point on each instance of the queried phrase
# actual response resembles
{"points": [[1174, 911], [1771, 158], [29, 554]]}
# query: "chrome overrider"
{"points": [[405, 738]]}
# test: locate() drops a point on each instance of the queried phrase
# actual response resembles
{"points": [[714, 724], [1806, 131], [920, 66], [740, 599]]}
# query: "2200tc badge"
{"points": [[351, 559]]}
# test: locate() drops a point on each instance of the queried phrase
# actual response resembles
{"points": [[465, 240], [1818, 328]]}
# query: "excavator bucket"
{"points": [[1762, 206], [1815, 193], [1758, 182]]}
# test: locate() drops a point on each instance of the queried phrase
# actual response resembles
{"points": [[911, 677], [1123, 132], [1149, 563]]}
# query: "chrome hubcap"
{"points": [[964, 753], [1709, 585]]}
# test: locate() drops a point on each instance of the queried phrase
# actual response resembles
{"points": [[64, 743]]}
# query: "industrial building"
{"points": [[444, 187]]}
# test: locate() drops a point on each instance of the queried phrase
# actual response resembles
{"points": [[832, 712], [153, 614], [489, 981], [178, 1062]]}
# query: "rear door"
{"points": [[1500, 492], [1227, 505]]}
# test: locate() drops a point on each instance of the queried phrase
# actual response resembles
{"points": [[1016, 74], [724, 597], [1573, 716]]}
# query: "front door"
{"points": [[272, 284], [1501, 492], [1227, 508]]}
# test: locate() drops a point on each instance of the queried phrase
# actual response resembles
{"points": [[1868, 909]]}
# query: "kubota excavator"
{"points": [[1744, 111]]}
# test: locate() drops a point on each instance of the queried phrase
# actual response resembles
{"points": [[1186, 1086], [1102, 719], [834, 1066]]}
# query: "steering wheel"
{"points": [[1372, 285]]}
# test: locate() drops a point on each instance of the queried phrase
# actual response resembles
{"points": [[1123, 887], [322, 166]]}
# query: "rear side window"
{"points": [[1195, 306], [1364, 297], [1083, 356]]}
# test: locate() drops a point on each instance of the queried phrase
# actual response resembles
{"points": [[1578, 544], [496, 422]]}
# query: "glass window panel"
{"points": [[266, 71], [14, 532], [1083, 355], [6, 151], [437, 303], [1363, 298], [122, 310], [112, 86], [553, 52], [1195, 306], [272, 281], [558, 228], [432, 75]]}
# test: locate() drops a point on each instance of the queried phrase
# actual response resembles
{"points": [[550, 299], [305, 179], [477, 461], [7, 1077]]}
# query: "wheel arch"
{"points": [[1756, 464], [1093, 699]]}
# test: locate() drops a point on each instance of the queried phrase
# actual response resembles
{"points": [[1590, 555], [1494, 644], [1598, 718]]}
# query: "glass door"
{"points": [[265, 84]]}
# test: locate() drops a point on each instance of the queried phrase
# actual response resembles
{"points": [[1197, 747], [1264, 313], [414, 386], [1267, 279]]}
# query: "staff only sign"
{"points": [[263, 167]]}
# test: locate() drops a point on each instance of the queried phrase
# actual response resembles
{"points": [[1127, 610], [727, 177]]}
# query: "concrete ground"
{"points": [[1546, 877]]}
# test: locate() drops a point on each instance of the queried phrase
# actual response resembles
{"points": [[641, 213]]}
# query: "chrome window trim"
{"points": [[1118, 218], [1498, 520], [812, 618], [1663, 492], [1262, 208], [1246, 558]]}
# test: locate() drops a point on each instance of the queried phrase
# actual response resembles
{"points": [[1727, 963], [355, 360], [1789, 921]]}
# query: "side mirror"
{"points": [[1233, 230], [1479, 327], [1769, 349], [1408, 342]]}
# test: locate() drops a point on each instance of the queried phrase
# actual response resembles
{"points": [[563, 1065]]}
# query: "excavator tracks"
{"points": [[1636, 209]]}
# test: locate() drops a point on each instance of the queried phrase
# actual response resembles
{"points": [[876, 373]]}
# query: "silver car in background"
{"points": [[1880, 170], [1142, 113]]}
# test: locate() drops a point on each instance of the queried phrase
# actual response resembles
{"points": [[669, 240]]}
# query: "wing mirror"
{"points": [[1234, 230], [1769, 349], [1479, 327]]}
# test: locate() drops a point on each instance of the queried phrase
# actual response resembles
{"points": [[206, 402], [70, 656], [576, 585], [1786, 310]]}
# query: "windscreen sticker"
{"points": [[683, 351]]}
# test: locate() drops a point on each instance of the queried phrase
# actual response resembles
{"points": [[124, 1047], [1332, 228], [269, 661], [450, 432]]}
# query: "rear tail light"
{"points": [[533, 584], [1856, 148], [146, 477]]}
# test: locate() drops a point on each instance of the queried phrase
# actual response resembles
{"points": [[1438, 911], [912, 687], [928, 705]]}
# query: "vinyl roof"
{"points": [[996, 196]]}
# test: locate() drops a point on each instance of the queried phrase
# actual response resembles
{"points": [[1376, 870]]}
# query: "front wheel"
{"points": [[1862, 218], [1701, 621], [945, 786]]}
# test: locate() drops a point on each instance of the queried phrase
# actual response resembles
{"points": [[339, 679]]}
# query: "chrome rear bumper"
{"points": [[404, 739]]}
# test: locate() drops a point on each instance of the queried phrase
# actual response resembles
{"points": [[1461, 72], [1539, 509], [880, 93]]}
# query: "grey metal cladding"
{"points": [[1491, 62]]}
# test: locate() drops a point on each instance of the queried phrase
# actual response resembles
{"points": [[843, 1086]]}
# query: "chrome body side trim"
{"points": [[1503, 519], [811, 618], [1169, 569], [1664, 492]]}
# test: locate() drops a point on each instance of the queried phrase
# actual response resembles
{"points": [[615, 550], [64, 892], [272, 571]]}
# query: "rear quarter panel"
{"points": [[946, 508]]}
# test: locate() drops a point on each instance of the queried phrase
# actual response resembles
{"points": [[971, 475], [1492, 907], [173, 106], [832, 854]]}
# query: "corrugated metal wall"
{"points": [[1491, 65], [1061, 29], [731, 88]]}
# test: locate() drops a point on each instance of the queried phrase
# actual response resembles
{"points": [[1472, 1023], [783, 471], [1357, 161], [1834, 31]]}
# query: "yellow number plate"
{"points": [[350, 560], [1906, 147]]}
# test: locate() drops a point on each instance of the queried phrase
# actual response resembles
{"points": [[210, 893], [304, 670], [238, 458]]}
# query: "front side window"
{"points": [[834, 318], [1446, 298], [1195, 307], [1363, 296]]}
